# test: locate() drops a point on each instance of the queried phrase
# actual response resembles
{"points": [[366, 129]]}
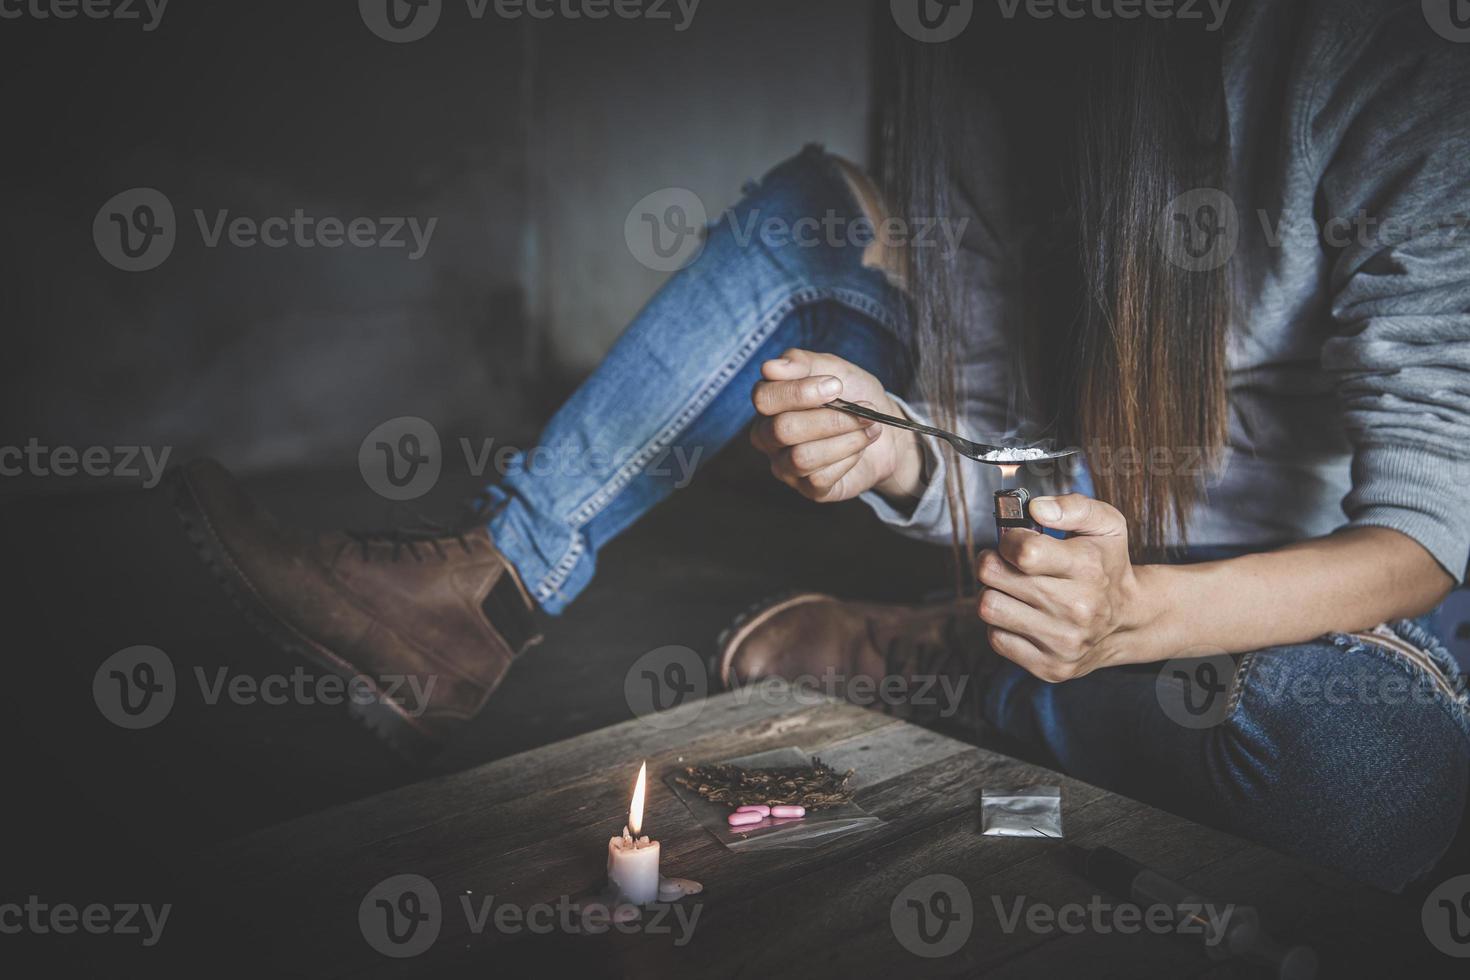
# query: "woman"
{"points": [[1295, 408], [1322, 379]]}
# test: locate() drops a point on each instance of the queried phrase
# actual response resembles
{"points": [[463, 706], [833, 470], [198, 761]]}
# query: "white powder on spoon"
{"points": [[1013, 455]]}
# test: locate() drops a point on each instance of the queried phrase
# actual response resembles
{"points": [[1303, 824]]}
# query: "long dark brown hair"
{"points": [[1121, 351]]}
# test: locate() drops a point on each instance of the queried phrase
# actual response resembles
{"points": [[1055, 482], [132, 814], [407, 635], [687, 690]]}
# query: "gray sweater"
{"points": [[1349, 360]]}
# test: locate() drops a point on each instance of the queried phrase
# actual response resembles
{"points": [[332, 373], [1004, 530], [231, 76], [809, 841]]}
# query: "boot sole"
{"points": [[402, 733], [732, 636]]}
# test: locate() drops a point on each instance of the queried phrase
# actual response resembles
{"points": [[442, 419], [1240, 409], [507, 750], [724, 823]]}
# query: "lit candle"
{"points": [[632, 861]]}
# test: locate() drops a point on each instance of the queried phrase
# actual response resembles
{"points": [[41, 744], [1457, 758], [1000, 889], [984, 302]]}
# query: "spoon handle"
{"points": [[893, 420]]}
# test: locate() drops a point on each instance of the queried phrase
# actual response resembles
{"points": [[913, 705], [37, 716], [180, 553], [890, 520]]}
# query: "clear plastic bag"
{"points": [[1035, 811], [818, 827]]}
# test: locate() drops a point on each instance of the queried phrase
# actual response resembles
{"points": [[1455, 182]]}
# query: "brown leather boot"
{"points": [[422, 623], [923, 662]]}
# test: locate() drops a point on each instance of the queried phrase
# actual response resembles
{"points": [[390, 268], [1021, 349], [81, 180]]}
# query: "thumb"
{"points": [[1079, 515], [792, 365]]}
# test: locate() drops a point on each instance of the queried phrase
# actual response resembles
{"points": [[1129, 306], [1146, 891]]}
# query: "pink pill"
{"points": [[760, 808], [739, 819], [788, 811]]}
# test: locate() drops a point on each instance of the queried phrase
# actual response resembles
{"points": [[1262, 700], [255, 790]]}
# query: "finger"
{"points": [[807, 458], [775, 397], [774, 435], [1025, 654], [1017, 649], [1051, 634], [797, 363], [1035, 554], [1005, 611], [1080, 515], [995, 572], [795, 428], [1062, 600], [790, 366], [825, 481]]}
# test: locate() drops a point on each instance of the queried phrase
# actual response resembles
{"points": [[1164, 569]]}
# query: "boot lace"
{"points": [[420, 535]]}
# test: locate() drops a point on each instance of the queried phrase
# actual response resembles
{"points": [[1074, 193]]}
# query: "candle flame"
{"points": [[635, 812]]}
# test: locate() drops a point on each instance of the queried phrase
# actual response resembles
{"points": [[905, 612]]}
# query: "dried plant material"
{"points": [[813, 787]]}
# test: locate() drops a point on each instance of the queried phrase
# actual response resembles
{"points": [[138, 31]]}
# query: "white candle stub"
{"points": [[632, 860]]}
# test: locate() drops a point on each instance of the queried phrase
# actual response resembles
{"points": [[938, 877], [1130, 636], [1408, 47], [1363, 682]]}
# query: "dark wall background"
{"points": [[528, 141]]}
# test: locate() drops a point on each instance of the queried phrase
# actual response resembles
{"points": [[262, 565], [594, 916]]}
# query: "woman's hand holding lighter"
{"points": [[1063, 608]]}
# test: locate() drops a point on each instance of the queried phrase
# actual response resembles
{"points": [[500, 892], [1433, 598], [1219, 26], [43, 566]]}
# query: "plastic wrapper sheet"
{"points": [[818, 827]]}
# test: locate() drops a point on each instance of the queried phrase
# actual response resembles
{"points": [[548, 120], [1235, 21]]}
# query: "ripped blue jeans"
{"points": [[1351, 751]]}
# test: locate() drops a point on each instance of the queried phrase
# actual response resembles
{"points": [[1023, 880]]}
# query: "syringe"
{"points": [[1238, 933]]}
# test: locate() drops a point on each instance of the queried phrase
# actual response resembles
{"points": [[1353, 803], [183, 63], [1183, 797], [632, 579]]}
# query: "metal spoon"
{"points": [[977, 451]]}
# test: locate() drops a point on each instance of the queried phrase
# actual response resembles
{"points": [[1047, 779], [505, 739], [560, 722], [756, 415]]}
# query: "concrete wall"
{"points": [[631, 110], [527, 142]]}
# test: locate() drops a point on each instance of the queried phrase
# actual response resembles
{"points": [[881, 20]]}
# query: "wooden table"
{"points": [[533, 828]]}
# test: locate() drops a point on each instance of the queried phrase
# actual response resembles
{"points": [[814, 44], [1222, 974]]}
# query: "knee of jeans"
{"points": [[1327, 756], [804, 205]]}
